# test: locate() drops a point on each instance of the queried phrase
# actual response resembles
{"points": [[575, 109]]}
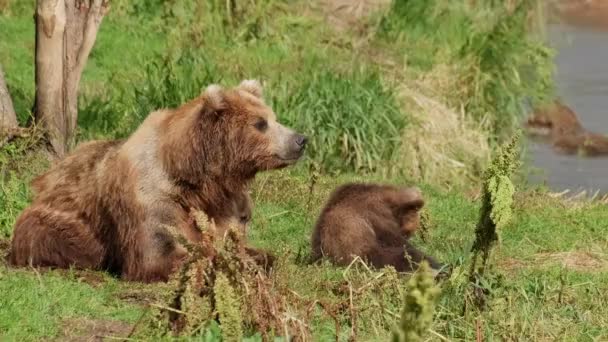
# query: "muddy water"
{"points": [[582, 82]]}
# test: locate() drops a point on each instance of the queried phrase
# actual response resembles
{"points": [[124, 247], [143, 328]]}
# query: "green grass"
{"points": [[360, 118], [531, 294], [18, 62], [153, 54], [36, 306]]}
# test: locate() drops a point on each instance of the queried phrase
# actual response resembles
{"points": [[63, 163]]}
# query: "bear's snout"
{"points": [[297, 145], [301, 141]]}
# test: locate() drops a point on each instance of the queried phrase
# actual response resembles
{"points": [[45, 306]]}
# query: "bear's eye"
{"points": [[261, 125]]}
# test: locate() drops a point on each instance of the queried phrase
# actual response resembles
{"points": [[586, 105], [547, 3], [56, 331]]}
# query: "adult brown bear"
{"points": [[373, 222], [107, 205]]}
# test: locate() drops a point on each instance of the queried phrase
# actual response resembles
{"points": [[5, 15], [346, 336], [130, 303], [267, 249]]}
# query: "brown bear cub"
{"points": [[242, 210], [108, 204], [373, 222], [242, 207]]}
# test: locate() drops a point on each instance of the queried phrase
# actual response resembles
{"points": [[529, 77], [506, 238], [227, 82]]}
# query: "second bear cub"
{"points": [[373, 222]]}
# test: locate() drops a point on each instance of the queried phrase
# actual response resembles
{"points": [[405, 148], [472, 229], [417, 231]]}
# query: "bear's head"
{"points": [[410, 203], [240, 219], [229, 134]]}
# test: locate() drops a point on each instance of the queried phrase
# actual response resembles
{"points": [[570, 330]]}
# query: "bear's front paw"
{"points": [[261, 258]]}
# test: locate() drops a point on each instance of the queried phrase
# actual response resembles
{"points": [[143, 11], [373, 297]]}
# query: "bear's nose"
{"points": [[301, 140]]}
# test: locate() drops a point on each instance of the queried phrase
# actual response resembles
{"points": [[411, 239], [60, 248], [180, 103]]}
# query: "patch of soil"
{"points": [[84, 329], [474, 193], [573, 260], [578, 261], [95, 279], [511, 264], [138, 296]]}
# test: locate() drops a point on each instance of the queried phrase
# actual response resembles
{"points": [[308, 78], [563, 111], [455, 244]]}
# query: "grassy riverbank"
{"points": [[419, 92]]}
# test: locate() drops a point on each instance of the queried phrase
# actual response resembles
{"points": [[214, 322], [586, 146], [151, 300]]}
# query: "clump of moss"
{"points": [[417, 314]]}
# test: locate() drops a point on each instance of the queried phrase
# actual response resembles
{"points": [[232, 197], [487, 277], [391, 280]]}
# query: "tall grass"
{"points": [[509, 67], [352, 119], [503, 62], [168, 82], [18, 161]]}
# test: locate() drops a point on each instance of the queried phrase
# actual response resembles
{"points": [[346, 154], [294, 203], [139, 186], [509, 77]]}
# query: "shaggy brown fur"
{"points": [[561, 125], [89, 152], [373, 222], [242, 209], [108, 204]]}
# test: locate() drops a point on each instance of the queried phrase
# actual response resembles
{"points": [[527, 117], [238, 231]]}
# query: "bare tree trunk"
{"points": [[8, 119], [65, 34]]}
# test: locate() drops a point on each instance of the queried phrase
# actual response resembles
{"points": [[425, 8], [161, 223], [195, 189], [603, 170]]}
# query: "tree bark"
{"points": [[65, 34], [8, 119]]}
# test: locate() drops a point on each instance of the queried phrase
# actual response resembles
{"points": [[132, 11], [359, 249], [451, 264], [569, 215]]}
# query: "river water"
{"points": [[582, 83]]}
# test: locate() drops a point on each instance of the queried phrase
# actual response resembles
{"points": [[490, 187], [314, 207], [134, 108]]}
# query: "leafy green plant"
{"points": [[495, 213], [497, 199], [419, 307]]}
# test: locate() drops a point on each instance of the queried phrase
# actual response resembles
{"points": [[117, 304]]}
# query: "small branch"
{"points": [[95, 15], [438, 335], [8, 119], [478, 332], [7, 135], [141, 317], [162, 307], [118, 338]]}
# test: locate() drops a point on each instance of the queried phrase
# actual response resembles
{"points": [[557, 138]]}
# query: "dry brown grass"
{"points": [[443, 146], [575, 260], [4, 5], [88, 330], [346, 14]]}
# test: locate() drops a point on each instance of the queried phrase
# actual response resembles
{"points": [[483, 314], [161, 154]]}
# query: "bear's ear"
{"points": [[214, 98], [253, 87], [411, 198], [415, 204]]}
